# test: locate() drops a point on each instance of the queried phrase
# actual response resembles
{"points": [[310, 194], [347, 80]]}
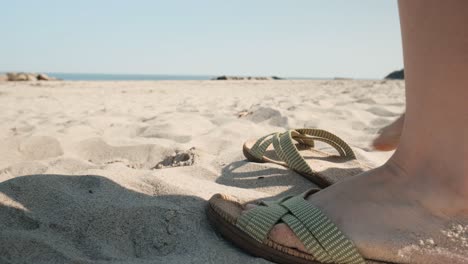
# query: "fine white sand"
{"points": [[87, 173]]}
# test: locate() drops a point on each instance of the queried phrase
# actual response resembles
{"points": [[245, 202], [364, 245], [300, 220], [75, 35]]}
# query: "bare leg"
{"points": [[423, 189], [389, 136]]}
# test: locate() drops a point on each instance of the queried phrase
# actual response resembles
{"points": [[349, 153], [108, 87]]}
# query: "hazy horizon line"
{"points": [[194, 75]]}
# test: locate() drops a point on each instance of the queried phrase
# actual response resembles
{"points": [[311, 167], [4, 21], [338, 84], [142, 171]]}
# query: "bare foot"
{"points": [[395, 218], [389, 136]]}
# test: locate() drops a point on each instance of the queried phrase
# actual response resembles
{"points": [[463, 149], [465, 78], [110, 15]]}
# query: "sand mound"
{"points": [[265, 114], [36, 148], [180, 128], [139, 156]]}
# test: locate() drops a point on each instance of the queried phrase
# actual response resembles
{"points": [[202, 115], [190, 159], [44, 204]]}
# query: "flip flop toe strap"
{"points": [[321, 238], [286, 150], [329, 138], [262, 144]]}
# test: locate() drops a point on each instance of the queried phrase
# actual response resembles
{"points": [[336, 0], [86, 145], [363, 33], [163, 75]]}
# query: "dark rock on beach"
{"points": [[19, 77], [44, 77], [24, 76], [243, 78], [396, 75]]}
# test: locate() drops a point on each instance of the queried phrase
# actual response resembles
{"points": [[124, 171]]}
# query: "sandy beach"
{"points": [[120, 172]]}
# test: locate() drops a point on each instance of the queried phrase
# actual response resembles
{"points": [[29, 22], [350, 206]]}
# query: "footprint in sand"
{"points": [[181, 131], [358, 125], [369, 101], [136, 157], [25, 168], [97, 151], [180, 158], [160, 131], [69, 165], [21, 129], [380, 122], [380, 111], [311, 123], [268, 115], [40, 147]]}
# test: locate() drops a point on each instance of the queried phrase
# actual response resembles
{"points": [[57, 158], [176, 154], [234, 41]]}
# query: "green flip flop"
{"points": [[324, 242], [295, 149]]}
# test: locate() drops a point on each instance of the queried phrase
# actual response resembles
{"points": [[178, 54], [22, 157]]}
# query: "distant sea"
{"points": [[144, 77], [125, 77]]}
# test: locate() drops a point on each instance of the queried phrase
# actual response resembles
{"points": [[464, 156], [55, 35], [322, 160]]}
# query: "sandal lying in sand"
{"points": [[294, 149], [249, 230]]}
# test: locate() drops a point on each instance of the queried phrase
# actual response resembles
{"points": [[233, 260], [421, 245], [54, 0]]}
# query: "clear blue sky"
{"points": [[309, 38]]}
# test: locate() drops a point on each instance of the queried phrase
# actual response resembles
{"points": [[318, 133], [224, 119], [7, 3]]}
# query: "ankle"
{"points": [[441, 191]]}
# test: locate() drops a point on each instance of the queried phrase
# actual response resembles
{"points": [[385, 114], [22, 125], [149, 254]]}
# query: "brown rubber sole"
{"points": [[249, 156]]}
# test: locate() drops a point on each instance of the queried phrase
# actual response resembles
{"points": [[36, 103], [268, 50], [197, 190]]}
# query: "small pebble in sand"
{"points": [[243, 113]]}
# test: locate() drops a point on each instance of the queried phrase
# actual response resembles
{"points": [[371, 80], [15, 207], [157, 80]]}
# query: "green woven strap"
{"points": [[320, 236], [307, 238], [340, 249], [260, 146], [329, 138], [259, 221], [291, 154], [287, 151]]}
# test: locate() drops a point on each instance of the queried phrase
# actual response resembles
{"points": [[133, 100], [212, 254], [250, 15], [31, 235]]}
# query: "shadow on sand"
{"points": [[91, 219]]}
